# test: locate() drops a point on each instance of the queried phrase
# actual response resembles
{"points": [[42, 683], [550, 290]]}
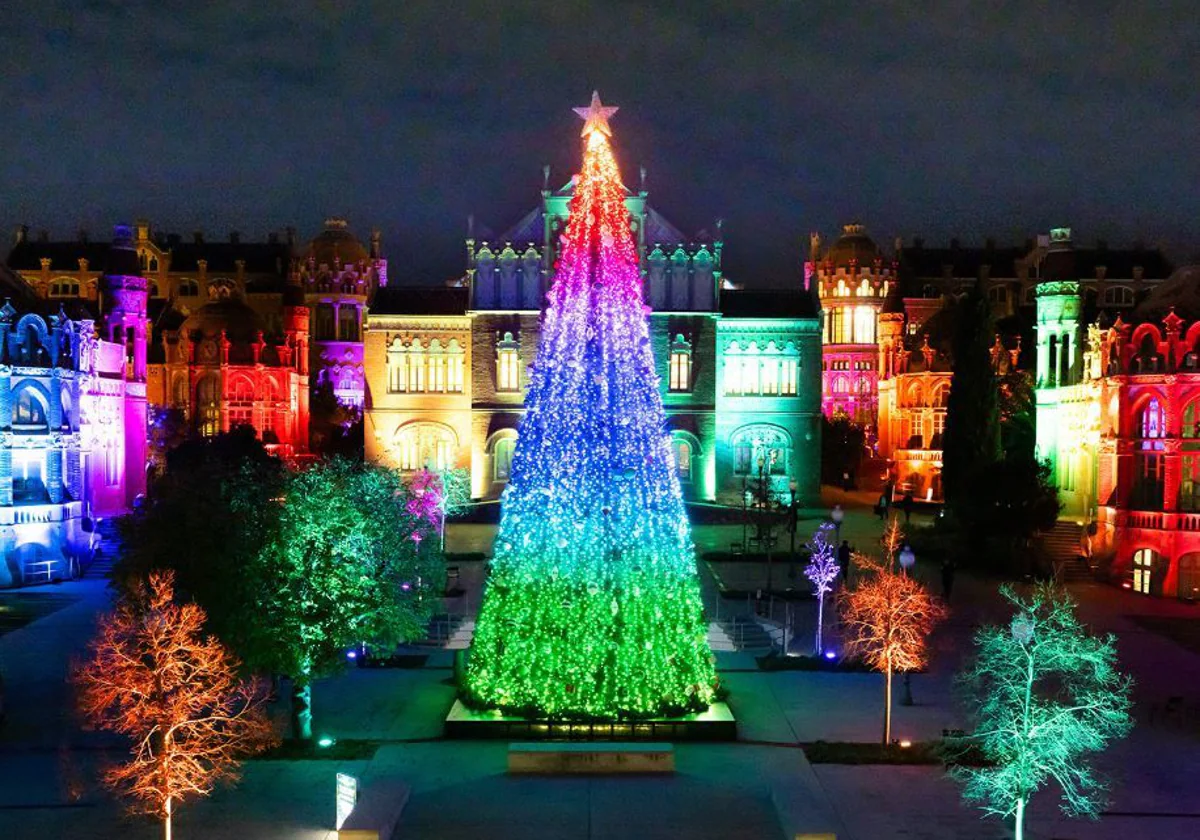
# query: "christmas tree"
{"points": [[592, 607]]}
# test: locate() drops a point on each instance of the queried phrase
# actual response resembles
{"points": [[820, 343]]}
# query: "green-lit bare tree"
{"points": [[1045, 694]]}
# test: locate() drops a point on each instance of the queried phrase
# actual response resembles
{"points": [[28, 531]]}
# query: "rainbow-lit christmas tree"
{"points": [[593, 607]]}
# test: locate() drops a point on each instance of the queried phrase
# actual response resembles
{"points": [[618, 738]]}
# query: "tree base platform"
{"points": [[715, 724]]}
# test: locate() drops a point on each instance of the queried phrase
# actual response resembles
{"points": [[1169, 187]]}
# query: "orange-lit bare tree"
{"points": [[886, 622], [154, 677]]}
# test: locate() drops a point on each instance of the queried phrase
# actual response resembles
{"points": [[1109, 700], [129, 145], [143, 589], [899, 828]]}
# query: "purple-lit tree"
{"points": [[822, 570], [593, 602]]}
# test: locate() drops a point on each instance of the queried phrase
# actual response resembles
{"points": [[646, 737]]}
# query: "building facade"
{"points": [[1118, 405], [258, 292], [739, 371], [72, 420]]}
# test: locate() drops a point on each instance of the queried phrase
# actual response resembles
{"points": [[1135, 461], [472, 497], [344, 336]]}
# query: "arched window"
{"points": [[684, 448], [189, 288], [1189, 577], [503, 449], [208, 406], [1149, 430], [29, 412], [347, 323], [508, 364], [761, 448], [681, 365], [62, 287], [428, 445], [1145, 563]]}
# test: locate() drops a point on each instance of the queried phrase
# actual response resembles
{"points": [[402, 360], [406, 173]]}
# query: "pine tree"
{"points": [[972, 439], [593, 604]]}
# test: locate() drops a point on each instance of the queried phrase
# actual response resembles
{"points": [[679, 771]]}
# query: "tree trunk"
{"points": [[820, 621], [1019, 820], [301, 708], [167, 821], [887, 709]]}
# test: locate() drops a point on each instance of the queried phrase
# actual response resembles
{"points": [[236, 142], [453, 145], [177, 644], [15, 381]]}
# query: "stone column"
{"points": [[6, 484], [54, 471]]}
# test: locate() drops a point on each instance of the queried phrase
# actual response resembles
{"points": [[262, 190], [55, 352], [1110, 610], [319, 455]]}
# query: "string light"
{"points": [[593, 603]]}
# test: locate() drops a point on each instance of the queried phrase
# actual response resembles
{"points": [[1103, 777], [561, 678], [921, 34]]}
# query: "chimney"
{"points": [[20, 234], [198, 237], [235, 238], [376, 243]]}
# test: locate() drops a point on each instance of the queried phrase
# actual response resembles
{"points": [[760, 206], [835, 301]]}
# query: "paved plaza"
{"points": [[760, 787]]}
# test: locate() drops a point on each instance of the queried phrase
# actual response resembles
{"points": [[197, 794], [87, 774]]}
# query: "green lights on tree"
{"points": [[1046, 694]]}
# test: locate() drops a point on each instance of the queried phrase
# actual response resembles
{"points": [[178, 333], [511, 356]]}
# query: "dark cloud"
{"points": [[937, 119]]}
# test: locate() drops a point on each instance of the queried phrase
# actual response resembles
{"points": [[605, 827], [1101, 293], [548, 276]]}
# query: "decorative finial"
{"points": [[595, 117]]}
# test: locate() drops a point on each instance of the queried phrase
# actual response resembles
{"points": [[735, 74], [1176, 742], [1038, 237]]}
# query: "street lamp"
{"points": [[837, 515]]}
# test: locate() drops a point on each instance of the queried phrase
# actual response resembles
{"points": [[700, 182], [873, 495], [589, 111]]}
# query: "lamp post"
{"points": [[907, 560], [793, 515]]}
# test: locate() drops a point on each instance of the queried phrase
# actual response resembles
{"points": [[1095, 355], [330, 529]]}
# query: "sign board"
{"points": [[347, 796]]}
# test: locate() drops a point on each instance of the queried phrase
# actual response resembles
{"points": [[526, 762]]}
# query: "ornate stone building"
{"points": [[197, 287], [1118, 416], [739, 371], [72, 418]]}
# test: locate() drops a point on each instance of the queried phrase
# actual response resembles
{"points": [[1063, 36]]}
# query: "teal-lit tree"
{"points": [[349, 564], [593, 606], [1046, 695]]}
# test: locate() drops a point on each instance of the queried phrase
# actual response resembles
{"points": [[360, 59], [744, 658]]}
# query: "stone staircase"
{"points": [[448, 631], [108, 547], [739, 633], [1061, 545]]}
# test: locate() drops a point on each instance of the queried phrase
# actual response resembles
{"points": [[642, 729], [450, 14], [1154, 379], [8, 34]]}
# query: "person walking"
{"points": [[906, 505], [947, 579], [881, 507], [847, 484], [843, 557]]}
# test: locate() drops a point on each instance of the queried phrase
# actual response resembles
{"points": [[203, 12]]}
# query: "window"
{"points": [[189, 288], [502, 456], [112, 466], [324, 326], [1148, 458], [29, 412], [347, 323], [681, 365], [241, 404], [1189, 485], [417, 369], [64, 287], [425, 445], [1189, 577], [761, 448], [681, 447], [771, 371], [864, 325], [208, 406], [508, 364], [1144, 561], [154, 290], [1118, 296], [998, 295]]}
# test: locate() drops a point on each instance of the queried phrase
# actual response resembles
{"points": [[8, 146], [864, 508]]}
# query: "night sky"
{"points": [[929, 119]]}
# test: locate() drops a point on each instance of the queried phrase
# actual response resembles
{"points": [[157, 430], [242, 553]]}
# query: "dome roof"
{"points": [[336, 243], [853, 244], [1180, 291], [240, 323]]}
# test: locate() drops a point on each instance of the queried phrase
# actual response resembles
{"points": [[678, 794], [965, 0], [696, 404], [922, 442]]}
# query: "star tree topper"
{"points": [[595, 117]]}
